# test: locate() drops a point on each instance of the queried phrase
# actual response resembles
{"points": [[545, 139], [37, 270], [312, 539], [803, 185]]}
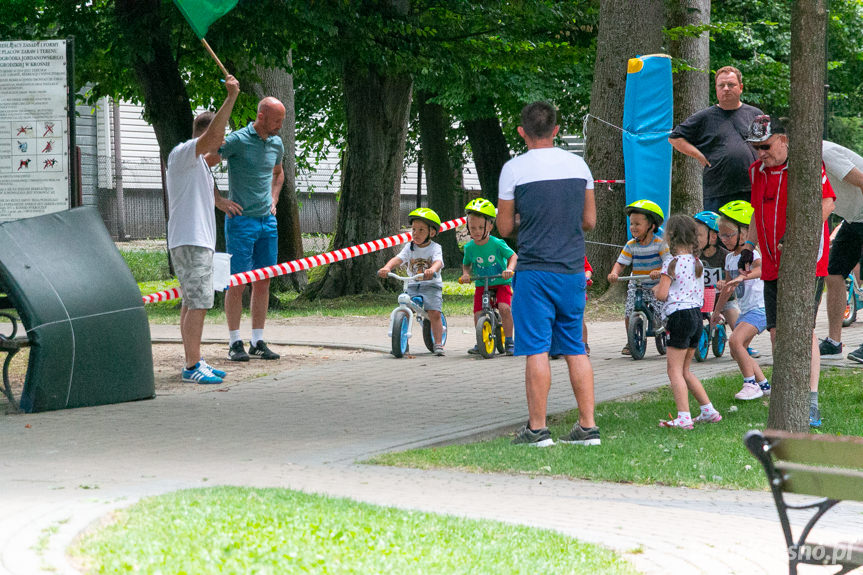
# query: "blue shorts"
{"points": [[757, 318], [252, 242], [547, 310]]}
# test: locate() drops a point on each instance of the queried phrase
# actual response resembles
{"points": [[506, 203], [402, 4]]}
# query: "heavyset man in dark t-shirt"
{"points": [[716, 137]]}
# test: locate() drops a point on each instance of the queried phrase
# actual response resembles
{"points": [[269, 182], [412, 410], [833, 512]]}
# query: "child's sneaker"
{"points": [[200, 374], [216, 372], [438, 350], [751, 390], [582, 436], [814, 416], [753, 352], [509, 348], [473, 351], [712, 417], [765, 388], [678, 423], [538, 438]]}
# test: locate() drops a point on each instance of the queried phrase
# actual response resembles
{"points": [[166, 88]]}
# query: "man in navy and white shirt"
{"points": [[551, 190]]}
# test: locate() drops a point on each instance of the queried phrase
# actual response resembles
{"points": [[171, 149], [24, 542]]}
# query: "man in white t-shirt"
{"points": [[845, 171], [192, 229]]}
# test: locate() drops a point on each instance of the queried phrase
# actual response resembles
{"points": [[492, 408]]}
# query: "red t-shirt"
{"points": [[769, 199]]}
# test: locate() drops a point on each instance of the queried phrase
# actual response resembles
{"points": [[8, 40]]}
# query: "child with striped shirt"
{"points": [[645, 252]]}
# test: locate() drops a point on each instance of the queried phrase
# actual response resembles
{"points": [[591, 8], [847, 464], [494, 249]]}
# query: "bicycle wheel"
{"points": [[636, 334], [401, 323], [850, 315], [485, 335], [500, 339], [703, 345], [660, 343], [719, 341], [428, 336]]}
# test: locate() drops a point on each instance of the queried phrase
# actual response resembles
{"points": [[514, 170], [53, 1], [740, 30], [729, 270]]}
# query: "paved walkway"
{"points": [[306, 428]]}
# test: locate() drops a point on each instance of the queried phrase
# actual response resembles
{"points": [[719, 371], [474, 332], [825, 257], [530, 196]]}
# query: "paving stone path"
{"points": [[307, 429]]}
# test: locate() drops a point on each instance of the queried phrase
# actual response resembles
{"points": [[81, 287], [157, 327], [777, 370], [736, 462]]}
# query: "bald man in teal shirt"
{"points": [[255, 177]]}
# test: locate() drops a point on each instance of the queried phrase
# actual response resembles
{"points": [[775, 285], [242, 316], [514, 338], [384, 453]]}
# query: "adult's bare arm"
{"points": [[506, 217], [212, 138], [684, 147]]}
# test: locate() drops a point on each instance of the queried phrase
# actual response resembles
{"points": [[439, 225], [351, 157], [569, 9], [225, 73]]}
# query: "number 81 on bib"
{"points": [[711, 276]]}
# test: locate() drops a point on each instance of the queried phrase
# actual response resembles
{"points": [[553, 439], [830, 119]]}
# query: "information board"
{"points": [[34, 129]]}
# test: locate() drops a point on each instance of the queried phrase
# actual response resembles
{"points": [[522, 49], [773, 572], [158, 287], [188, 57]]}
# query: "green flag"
{"points": [[202, 13]]}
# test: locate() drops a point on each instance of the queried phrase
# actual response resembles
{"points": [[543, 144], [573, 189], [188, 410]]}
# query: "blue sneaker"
{"points": [[200, 374], [753, 352], [814, 416], [216, 372]]}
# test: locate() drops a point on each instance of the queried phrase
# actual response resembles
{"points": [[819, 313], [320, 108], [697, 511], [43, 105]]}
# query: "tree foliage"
{"points": [[755, 36]]}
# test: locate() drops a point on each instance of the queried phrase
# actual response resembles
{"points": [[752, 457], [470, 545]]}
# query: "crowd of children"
{"points": [[694, 252]]}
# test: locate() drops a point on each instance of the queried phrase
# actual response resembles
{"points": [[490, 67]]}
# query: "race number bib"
{"points": [[711, 276]]}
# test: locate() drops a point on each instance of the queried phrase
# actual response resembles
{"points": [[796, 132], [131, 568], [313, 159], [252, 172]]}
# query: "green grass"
{"points": [[147, 266], [231, 530], [635, 450]]}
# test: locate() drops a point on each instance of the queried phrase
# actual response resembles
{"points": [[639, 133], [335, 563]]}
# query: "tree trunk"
{"points": [[623, 34], [277, 82], [166, 102], [443, 176], [691, 94], [377, 107], [490, 150], [796, 284]]}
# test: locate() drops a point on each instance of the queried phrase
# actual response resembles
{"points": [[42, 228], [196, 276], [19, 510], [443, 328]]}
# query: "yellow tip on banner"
{"points": [[634, 66]]}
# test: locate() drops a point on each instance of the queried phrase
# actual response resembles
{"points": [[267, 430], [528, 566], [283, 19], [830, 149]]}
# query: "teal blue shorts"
{"points": [[548, 311], [252, 242]]}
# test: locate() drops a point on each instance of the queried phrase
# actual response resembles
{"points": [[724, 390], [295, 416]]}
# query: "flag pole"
{"points": [[216, 58]]}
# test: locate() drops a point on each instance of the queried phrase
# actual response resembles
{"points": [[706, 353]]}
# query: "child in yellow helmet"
{"points": [[487, 255], [646, 252], [734, 223], [423, 256]]}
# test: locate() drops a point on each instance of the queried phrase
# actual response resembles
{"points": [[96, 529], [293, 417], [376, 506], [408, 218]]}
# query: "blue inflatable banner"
{"points": [[647, 122]]}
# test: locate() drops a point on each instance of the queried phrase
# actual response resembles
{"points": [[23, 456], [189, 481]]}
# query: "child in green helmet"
{"points": [[487, 255], [423, 256]]}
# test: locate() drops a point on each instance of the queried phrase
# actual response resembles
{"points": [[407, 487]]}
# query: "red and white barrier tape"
{"points": [[307, 263], [609, 181]]}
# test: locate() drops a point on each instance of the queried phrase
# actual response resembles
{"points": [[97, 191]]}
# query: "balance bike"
{"points": [[401, 319], [644, 322], [489, 327]]}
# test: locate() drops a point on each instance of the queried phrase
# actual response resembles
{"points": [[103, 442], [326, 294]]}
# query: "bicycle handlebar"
{"points": [[405, 279], [481, 278]]}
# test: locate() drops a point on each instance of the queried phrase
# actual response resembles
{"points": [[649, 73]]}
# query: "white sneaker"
{"points": [[750, 391]]}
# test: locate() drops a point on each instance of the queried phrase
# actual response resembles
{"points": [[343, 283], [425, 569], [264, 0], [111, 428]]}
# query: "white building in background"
{"points": [[142, 177]]}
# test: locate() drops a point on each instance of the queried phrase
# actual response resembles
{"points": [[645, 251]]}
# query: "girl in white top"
{"points": [[681, 287], [733, 228]]}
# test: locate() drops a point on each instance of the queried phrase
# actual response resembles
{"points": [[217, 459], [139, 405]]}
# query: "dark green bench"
{"points": [[824, 466]]}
